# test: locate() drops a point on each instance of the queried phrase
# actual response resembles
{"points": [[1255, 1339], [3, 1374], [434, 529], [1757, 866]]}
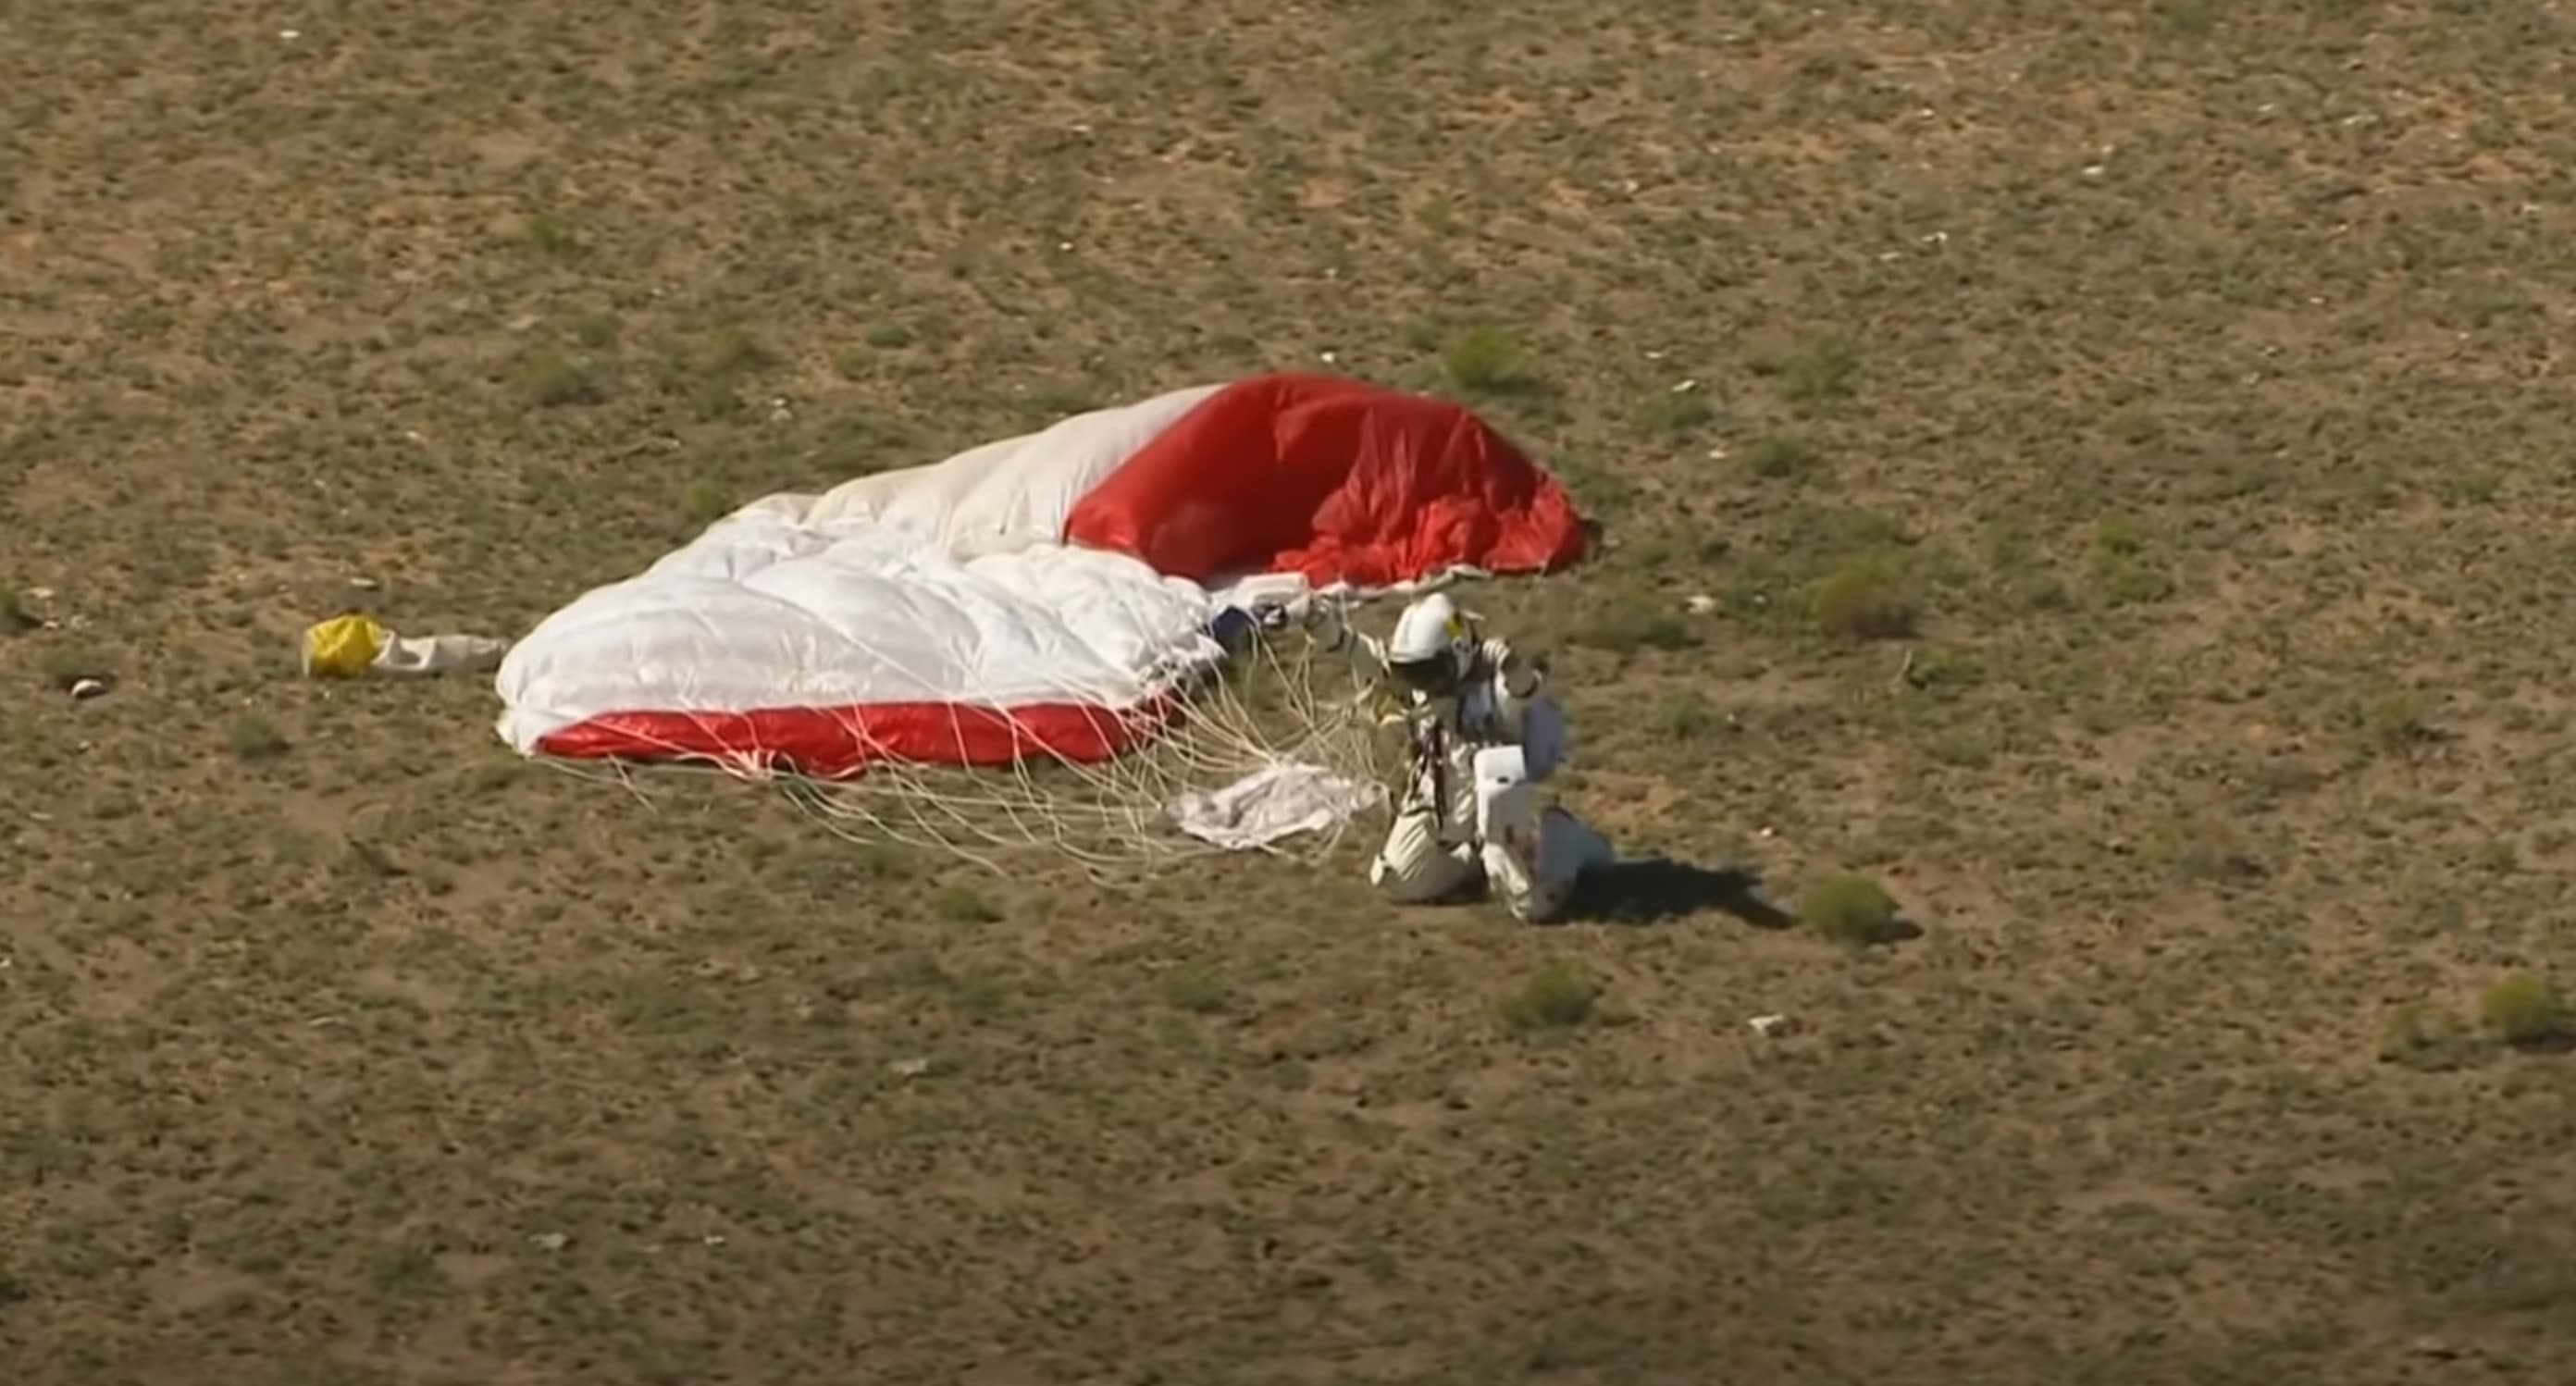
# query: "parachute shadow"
{"points": [[1656, 890]]}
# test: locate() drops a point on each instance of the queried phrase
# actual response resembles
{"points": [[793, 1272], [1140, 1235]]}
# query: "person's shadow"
{"points": [[1655, 890]]}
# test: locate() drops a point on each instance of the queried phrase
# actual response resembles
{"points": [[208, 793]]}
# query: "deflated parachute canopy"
{"points": [[1046, 595]]}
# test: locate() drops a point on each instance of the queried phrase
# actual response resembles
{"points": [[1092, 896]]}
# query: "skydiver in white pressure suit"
{"points": [[1485, 734]]}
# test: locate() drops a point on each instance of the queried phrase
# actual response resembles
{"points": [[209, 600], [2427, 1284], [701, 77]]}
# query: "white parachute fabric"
{"points": [[866, 618], [1279, 800], [909, 593]]}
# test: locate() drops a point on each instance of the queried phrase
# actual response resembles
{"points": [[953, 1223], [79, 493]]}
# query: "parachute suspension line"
{"points": [[1110, 818], [1113, 818]]}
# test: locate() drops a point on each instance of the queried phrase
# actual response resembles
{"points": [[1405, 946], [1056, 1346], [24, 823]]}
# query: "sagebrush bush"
{"points": [[2528, 1012], [1852, 909], [254, 738], [1486, 361], [553, 380], [965, 905], [703, 503], [1558, 996], [1197, 989], [1777, 456], [1866, 599], [1638, 621]]}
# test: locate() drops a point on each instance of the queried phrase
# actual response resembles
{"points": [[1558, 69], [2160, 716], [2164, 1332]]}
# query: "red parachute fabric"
{"points": [[839, 741], [1340, 480]]}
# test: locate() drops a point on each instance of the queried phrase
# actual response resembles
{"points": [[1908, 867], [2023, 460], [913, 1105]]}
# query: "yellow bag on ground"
{"points": [[343, 647], [355, 647]]}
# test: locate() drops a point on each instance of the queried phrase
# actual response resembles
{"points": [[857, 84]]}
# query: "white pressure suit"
{"points": [[1484, 734]]}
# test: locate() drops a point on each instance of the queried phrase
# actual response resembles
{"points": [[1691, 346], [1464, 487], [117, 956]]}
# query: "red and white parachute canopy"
{"points": [[1047, 594]]}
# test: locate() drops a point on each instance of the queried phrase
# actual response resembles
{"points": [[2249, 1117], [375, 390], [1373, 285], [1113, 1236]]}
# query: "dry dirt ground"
{"points": [[2197, 373]]}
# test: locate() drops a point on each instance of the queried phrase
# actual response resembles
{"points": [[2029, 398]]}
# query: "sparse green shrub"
{"points": [[1963, 748], [1687, 716], [2118, 538], [1197, 989], [1679, 413], [2207, 852], [1558, 996], [890, 336], [704, 503], [712, 378], [1818, 370], [982, 996], [552, 235], [1486, 361], [734, 353], [878, 861], [1640, 621], [1661, 551], [2528, 1012], [1852, 910], [2133, 581], [2396, 722], [1777, 457], [1873, 534], [552, 379], [254, 739], [2126, 572], [1866, 598], [13, 613], [2040, 592], [964, 905], [1945, 673], [715, 398], [1599, 489]]}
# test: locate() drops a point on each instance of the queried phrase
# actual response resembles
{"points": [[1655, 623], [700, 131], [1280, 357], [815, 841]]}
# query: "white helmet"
{"points": [[1432, 646]]}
